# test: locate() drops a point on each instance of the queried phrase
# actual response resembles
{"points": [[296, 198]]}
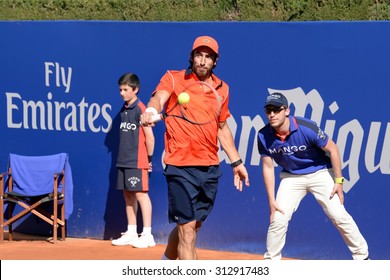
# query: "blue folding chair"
{"points": [[37, 185]]}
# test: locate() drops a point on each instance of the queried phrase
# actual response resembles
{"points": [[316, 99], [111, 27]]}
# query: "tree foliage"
{"points": [[195, 10]]}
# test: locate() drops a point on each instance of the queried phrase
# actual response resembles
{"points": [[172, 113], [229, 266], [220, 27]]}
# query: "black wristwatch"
{"points": [[236, 163]]}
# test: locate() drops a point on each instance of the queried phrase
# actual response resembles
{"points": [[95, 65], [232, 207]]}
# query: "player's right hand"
{"points": [[273, 208], [148, 117]]}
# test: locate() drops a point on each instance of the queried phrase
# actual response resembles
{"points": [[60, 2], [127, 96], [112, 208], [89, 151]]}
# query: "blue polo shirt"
{"points": [[301, 151]]}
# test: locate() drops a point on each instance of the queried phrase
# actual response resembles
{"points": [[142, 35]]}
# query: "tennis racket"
{"points": [[203, 107]]}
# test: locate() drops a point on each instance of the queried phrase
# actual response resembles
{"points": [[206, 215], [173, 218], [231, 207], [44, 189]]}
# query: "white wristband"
{"points": [[152, 110]]}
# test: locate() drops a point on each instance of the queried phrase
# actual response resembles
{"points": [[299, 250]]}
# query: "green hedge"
{"points": [[195, 10]]}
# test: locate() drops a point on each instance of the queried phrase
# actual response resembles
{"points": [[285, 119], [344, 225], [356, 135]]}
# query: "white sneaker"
{"points": [[144, 241], [125, 239]]}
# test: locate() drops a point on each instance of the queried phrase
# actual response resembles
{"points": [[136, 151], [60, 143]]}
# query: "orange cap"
{"points": [[206, 41]]}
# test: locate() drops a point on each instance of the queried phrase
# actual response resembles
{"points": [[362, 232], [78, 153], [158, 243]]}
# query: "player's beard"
{"points": [[202, 72]]}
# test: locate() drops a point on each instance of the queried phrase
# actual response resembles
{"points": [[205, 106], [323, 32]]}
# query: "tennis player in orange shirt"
{"points": [[191, 151]]}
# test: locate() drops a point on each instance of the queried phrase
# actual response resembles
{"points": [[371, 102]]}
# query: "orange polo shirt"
{"points": [[187, 144]]}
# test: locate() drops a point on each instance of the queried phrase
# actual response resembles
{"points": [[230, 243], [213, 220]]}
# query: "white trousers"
{"points": [[291, 191]]}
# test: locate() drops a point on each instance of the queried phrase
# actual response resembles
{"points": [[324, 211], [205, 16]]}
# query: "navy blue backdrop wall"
{"points": [[336, 73]]}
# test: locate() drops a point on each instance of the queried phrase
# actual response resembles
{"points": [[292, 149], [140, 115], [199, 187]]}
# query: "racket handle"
{"points": [[156, 118]]}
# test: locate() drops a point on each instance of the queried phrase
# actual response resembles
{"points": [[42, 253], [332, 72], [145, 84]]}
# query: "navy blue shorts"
{"points": [[191, 192], [132, 179]]}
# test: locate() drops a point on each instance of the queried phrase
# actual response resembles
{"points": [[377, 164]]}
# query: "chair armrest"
{"points": [[2, 176], [59, 174], [5, 174]]}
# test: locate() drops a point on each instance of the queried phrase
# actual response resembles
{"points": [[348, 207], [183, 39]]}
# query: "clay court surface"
{"points": [[38, 248]]}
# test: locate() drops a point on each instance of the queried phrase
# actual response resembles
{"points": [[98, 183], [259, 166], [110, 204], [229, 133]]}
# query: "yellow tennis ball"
{"points": [[183, 98]]}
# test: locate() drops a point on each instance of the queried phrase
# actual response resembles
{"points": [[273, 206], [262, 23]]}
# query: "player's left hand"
{"points": [[240, 174], [338, 188]]}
